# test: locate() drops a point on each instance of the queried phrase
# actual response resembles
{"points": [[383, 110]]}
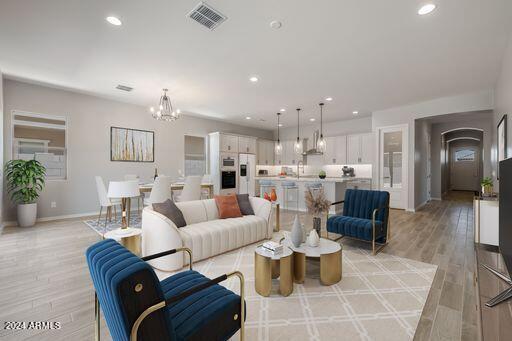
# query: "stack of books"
{"points": [[273, 247]]}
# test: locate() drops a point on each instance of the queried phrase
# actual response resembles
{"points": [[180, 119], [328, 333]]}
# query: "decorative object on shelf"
{"points": [[273, 195], [165, 111], [132, 145], [502, 142], [266, 196], [487, 187], [25, 180], [322, 174], [317, 205], [298, 144], [279, 146], [313, 238], [297, 233], [321, 144]]}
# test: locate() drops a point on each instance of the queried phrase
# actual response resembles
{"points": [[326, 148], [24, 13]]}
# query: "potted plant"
{"points": [[322, 174], [487, 186], [317, 205], [25, 180]]}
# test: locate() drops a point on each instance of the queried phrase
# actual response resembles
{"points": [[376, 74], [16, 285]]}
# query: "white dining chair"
{"points": [[205, 192], [140, 198], [105, 201], [161, 190], [191, 189]]}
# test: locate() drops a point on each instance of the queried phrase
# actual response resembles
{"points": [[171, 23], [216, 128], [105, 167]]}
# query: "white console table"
{"points": [[486, 220]]}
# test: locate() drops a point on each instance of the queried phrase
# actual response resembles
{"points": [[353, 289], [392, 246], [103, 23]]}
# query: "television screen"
{"points": [[506, 212]]}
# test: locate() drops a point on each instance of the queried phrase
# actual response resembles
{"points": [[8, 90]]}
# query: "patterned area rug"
{"points": [[378, 298], [102, 227]]}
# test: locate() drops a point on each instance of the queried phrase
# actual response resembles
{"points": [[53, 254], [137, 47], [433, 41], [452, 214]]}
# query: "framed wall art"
{"points": [[132, 145]]}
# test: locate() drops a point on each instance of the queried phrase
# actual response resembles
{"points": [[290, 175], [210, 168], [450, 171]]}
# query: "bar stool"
{"points": [[266, 186], [315, 187], [290, 187]]}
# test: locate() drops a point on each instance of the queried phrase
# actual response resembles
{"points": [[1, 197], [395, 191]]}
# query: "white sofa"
{"points": [[205, 234]]}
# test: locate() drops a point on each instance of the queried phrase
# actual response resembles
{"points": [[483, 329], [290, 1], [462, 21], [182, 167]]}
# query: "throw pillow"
{"points": [[244, 204], [169, 209], [227, 206]]}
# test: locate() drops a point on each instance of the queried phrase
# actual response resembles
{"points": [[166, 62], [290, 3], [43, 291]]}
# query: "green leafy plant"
{"points": [[25, 180], [322, 173], [487, 181]]}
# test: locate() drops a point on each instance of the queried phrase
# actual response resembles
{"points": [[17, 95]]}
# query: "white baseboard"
{"points": [[420, 205], [412, 210], [54, 218], [437, 199]]}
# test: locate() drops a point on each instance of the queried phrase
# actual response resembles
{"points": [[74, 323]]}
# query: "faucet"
{"points": [[299, 163]]}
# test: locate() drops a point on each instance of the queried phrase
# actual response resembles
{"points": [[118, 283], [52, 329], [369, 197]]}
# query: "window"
{"points": [[464, 155], [195, 155], [43, 138]]}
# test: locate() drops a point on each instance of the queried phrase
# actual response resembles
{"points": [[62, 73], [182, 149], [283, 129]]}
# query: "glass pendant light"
{"points": [[279, 146], [165, 111], [298, 144], [321, 144]]}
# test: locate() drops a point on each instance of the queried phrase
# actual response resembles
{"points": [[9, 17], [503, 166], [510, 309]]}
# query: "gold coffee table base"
{"points": [[330, 268], [266, 268]]}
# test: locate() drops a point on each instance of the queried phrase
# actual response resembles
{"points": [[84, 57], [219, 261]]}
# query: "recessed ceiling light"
{"points": [[355, 112], [282, 110], [276, 24], [114, 21], [280, 124], [426, 9], [328, 99], [248, 117], [312, 119], [254, 79]]}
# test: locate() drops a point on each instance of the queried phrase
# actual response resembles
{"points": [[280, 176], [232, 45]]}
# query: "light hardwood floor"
{"points": [[44, 276]]}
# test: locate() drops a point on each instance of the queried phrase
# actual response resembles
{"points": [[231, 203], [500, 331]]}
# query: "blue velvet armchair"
{"points": [[365, 217], [137, 306]]}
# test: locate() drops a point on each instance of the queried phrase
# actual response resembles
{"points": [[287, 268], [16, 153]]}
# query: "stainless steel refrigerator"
{"points": [[247, 173]]}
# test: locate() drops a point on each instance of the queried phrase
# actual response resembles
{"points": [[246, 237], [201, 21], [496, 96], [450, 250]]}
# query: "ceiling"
{"points": [[366, 54]]}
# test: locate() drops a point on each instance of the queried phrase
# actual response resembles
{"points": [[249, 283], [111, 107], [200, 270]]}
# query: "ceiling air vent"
{"points": [[207, 16], [124, 88]]}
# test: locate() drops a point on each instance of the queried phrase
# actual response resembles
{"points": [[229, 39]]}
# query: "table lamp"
{"points": [[123, 190]]}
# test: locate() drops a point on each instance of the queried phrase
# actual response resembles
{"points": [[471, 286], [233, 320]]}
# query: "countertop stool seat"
{"points": [[290, 188]]}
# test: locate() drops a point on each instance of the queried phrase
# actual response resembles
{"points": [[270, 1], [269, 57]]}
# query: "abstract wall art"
{"points": [[132, 145]]}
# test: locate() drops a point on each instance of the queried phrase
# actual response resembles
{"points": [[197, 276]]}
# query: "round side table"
{"points": [[130, 238], [268, 265]]}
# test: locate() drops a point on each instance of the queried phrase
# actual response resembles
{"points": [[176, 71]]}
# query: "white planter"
{"points": [[27, 214]]}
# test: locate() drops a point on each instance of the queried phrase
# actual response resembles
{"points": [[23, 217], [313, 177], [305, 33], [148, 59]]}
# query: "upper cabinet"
{"points": [[279, 159], [265, 153], [360, 149], [247, 145], [336, 150], [228, 143]]}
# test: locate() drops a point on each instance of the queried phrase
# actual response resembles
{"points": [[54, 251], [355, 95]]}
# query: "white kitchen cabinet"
{"points": [[247, 145], [360, 149], [336, 150], [280, 159], [229, 143], [261, 152], [269, 154], [330, 151], [291, 158]]}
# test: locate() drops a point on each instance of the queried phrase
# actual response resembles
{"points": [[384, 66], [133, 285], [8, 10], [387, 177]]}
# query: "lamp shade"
{"points": [[123, 189]]}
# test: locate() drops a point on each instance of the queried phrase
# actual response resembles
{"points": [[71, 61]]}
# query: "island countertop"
{"points": [[312, 179]]}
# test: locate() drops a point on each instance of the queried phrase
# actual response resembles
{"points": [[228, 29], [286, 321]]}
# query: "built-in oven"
{"points": [[228, 161], [228, 180]]}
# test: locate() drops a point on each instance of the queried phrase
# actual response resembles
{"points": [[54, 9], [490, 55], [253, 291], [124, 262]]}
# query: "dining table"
{"points": [[176, 186]]}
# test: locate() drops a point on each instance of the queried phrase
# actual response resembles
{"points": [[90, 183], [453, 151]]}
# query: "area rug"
{"points": [[101, 227], [378, 298]]}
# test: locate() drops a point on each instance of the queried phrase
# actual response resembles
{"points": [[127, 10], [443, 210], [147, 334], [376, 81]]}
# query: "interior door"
{"points": [[392, 165], [464, 168]]}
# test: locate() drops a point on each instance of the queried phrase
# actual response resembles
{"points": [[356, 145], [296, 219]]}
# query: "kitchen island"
{"points": [[334, 188]]}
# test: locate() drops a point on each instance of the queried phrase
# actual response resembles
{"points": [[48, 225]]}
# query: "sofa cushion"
{"points": [[193, 211], [244, 204], [171, 211], [228, 206], [212, 212], [354, 227], [214, 237]]}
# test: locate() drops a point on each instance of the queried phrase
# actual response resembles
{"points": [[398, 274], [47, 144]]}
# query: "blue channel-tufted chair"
{"points": [[137, 306], [365, 217]]}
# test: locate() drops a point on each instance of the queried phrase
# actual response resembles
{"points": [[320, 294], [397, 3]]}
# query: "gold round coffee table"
{"points": [[268, 265], [330, 255]]}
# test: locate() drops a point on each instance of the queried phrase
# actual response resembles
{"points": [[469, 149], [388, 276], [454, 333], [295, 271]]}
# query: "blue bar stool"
{"points": [[315, 187], [290, 188]]}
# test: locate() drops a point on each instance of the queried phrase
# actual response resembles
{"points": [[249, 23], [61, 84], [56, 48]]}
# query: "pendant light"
{"points": [[165, 112], [279, 146], [321, 144], [298, 144]]}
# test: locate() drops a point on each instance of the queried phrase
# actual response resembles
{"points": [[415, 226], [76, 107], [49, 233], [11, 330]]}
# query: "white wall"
{"points": [[422, 137], [1, 146], [89, 121], [482, 100], [503, 104]]}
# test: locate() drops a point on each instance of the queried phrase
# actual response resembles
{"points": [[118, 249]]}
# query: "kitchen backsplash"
{"points": [[361, 171]]}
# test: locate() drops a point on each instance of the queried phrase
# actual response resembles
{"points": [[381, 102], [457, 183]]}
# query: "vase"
{"points": [[297, 233], [313, 239], [273, 195], [487, 190], [317, 224]]}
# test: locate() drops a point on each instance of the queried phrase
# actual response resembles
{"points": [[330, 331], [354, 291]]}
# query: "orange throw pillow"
{"points": [[228, 206]]}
